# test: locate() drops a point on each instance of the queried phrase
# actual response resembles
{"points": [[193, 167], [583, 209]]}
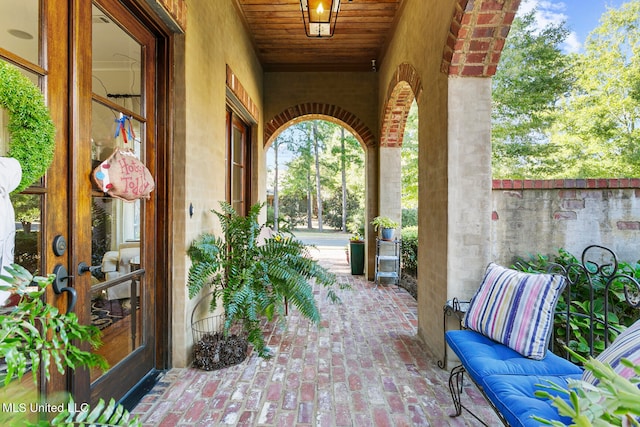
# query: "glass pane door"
{"points": [[120, 291]]}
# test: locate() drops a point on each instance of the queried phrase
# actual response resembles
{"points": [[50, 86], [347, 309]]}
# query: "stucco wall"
{"points": [[199, 138], [569, 214], [353, 92], [419, 39]]}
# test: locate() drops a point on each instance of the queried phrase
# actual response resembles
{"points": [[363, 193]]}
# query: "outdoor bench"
{"points": [[507, 328]]}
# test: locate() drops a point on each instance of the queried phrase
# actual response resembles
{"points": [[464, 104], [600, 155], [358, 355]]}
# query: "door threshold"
{"points": [[140, 390]]}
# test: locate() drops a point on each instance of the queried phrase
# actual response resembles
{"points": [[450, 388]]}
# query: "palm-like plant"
{"points": [[253, 279]]}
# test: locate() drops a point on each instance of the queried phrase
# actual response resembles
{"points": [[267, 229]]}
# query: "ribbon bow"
{"points": [[125, 127]]}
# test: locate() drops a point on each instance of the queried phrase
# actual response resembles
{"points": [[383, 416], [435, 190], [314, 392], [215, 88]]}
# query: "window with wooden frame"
{"points": [[238, 162]]}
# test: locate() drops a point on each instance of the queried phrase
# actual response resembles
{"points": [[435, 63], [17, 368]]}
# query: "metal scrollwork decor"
{"points": [[30, 126]]}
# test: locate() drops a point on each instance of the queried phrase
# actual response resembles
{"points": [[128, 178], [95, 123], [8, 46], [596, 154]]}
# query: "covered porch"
{"points": [[365, 366]]}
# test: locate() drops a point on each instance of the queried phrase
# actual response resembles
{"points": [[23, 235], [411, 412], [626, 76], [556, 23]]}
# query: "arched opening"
{"points": [[315, 178], [398, 165], [316, 186], [365, 138]]}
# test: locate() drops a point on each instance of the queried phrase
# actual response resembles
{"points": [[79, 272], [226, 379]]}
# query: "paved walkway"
{"points": [[364, 366]]}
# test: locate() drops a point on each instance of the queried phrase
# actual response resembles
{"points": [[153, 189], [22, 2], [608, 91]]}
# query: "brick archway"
{"points": [[310, 111], [478, 31], [405, 86]]}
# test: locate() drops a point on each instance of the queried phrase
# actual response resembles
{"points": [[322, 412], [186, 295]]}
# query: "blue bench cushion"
{"points": [[516, 308], [513, 396], [481, 356]]}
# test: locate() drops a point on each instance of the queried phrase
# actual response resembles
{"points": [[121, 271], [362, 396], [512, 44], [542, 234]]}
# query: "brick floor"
{"points": [[364, 366]]}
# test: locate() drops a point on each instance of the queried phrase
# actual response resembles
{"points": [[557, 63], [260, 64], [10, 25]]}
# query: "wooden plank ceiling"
{"points": [[361, 33]]}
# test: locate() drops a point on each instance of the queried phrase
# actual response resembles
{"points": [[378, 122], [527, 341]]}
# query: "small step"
{"points": [[387, 258]]}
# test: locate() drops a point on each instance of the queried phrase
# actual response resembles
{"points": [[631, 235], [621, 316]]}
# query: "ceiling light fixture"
{"points": [[320, 17]]}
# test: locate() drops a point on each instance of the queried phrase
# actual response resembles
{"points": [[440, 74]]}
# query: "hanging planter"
{"points": [[30, 127]]}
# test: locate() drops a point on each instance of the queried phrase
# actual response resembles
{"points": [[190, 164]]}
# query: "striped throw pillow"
{"points": [[516, 309], [625, 346]]}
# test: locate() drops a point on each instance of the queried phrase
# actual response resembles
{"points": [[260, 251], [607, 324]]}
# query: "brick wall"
{"points": [[540, 216]]}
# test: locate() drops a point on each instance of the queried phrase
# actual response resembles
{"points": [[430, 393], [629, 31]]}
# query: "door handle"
{"points": [[62, 277], [83, 267]]}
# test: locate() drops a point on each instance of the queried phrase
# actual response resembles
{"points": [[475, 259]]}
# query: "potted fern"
{"points": [[254, 279]]}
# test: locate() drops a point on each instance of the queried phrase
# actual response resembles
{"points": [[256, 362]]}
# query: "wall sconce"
{"points": [[319, 17]]}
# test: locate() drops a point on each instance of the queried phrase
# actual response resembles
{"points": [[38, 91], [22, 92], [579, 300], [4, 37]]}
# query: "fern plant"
{"points": [[253, 279]]}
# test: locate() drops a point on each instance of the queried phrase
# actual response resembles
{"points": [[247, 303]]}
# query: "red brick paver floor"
{"points": [[363, 366]]}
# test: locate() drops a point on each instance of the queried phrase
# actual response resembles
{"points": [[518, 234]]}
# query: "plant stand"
{"points": [[387, 260], [211, 349]]}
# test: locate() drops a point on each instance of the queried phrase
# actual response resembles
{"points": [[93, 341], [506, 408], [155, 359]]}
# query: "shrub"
{"points": [[409, 218], [409, 253], [621, 314]]}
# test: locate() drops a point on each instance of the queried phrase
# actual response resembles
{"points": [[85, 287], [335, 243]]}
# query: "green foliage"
{"points": [[383, 222], [409, 217], [557, 115], [102, 414], [599, 130], [30, 126], [332, 210], [27, 207], [614, 401], [409, 158], [253, 280], [297, 186], [621, 314], [532, 75], [409, 251], [36, 333]]}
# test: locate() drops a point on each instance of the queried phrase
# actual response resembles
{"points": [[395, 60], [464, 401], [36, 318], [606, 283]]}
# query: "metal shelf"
{"points": [[387, 260]]}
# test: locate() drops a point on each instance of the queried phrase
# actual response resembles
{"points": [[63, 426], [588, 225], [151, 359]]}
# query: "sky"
{"points": [[581, 16]]}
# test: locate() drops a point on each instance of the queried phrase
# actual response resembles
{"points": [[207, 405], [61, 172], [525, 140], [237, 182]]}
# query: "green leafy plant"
{"points": [[613, 401], [383, 222], [35, 335], [102, 414], [621, 314], [409, 250], [32, 131], [253, 279]]}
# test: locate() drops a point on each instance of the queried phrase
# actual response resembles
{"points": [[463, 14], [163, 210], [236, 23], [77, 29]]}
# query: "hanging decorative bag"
{"points": [[124, 176]]}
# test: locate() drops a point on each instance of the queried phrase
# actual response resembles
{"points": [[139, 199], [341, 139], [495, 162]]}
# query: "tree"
{"points": [[337, 156], [599, 131], [317, 141], [532, 76], [409, 156]]}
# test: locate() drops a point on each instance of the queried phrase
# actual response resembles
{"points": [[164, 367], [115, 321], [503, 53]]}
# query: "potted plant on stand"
{"points": [[254, 279], [386, 226]]}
